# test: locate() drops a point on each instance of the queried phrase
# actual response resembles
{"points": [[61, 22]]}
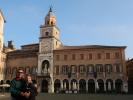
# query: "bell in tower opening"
{"points": [[50, 18]]}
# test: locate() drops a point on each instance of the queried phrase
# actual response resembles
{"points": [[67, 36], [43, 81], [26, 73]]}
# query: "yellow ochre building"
{"points": [[69, 69]]}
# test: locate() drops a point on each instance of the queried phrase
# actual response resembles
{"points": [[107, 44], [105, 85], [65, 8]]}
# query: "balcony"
{"points": [[47, 75]]}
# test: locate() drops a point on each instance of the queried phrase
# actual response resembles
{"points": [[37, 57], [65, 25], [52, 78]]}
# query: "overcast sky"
{"points": [[81, 22]]}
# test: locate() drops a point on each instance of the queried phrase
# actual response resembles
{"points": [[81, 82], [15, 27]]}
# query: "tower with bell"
{"points": [[49, 40]]}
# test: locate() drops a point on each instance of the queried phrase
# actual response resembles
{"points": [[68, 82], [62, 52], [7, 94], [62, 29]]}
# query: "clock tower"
{"points": [[48, 41]]}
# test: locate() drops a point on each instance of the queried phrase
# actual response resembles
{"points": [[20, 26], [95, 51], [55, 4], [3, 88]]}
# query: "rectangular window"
{"points": [[117, 55], [57, 57], [81, 68], [73, 56], [90, 56], [73, 69], [99, 68], [90, 69], [65, 69], [57, 70], [65, 57], [107, 55], [82, 56], [27, 70], [118, 68], [98, 56], [108, 68]]}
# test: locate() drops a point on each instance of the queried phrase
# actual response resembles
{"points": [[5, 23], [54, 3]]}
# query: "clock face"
{"points": [[45, 45]]}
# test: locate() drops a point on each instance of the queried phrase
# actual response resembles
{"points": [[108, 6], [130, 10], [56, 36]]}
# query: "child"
{"points": [[30, 88]]}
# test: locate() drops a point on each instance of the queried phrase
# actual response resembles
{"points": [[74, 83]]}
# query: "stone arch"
{"points": [[82, 86], [73, 84], [100, 88], [65, 84], [91, 86], [7, 88], [2, 82], [45, 86], [57, 85], [118, 85], [7, 81], [109, 85]]}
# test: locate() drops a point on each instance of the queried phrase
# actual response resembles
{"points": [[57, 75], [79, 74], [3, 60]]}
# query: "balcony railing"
{"points": [[43, 74]]}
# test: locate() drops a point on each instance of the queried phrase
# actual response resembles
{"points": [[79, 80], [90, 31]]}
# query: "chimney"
{"points": [[10, 44]]}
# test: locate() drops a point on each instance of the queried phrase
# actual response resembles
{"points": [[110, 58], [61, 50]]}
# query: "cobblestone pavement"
{"points": [[42, 96]]}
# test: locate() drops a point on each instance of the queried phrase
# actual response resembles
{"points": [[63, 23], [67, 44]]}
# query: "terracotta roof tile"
{"points": [[88, 46]]}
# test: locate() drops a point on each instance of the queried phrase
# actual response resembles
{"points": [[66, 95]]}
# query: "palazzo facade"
{"points": [[69, 69]]}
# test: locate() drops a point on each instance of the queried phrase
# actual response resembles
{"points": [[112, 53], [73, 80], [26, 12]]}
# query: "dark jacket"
{"points": [[16, 87], [30, 87]]}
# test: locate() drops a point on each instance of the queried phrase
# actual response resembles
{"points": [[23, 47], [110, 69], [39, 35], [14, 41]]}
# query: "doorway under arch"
{"points": [[109, 85], [118, 85], [82, 86], [45, 86], [100, 85], [57, 85], [91, 86]]}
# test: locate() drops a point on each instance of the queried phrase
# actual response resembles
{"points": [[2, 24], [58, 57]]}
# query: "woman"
{"points": [[30, 88]]}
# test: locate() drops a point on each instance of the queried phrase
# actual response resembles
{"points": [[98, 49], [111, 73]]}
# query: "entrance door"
{"points": [[45, 86]]}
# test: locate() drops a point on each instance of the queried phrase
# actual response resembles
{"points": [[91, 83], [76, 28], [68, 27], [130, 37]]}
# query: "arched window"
{"points": [[90, 68], [118, 68], [81, 68], [108, 68], [65, 69], [99, 68], [46, 33], [57, 70], [33, 70], [48, 22], [73, 69], [52, 23]]}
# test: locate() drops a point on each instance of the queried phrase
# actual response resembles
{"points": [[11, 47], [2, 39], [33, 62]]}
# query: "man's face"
{"points": [[21, 74]]}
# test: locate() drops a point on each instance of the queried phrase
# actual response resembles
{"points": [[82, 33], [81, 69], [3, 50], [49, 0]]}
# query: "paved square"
{"points": [[42, 96]]}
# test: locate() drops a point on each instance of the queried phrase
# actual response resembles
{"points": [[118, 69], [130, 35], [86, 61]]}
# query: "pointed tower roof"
{"points": [[50, 13], [50, 9], [50, 18]]}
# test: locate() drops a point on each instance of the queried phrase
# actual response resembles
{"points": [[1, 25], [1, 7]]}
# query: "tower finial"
{"points": [[50, 9]]}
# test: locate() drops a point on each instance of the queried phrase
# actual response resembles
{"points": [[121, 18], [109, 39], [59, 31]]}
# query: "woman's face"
{"points": [[29, 79]]}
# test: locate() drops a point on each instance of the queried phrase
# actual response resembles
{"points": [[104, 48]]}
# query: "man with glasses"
{"points": [[17, 85]]}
